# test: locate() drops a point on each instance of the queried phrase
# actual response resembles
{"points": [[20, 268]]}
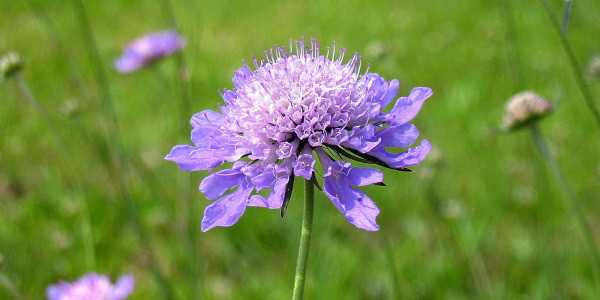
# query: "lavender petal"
{"points": [[358, 209], [406, 108], [404, 159], [215, 185], [398, 136], [194, 159], [227, 210]]}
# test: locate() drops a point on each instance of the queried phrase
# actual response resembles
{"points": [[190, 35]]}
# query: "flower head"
{"points": [[147, 49], [524, 108], [92, 287], [286, 110]]}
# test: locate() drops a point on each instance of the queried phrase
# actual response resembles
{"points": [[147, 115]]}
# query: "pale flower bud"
{"points": [[523, 109]]}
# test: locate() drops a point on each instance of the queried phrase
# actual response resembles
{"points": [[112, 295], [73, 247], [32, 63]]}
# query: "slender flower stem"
{"points": [[587, 95], [575, 202], [86, 227], [307, 222]]}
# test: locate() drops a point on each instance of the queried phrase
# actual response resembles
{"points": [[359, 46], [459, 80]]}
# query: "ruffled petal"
{"points": [[404, 159], [262, 151], [227, 210], [364, 176], [398, 136], [407, 108], [209, 118], [275, 198], [241, 75], [390, 92], [207, 137], [215, 185], [212, 131], [362, 139], [358, 209], [276, 177], [215, 144], [379, 91], [194, 159], [266, 178]]}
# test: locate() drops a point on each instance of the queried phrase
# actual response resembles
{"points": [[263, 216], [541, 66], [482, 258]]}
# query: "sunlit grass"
{"points": [[481, 217]]}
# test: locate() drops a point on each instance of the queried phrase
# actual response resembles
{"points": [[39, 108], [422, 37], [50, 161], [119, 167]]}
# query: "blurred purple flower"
{"points": [[289, 107], [92, 287], [148, 49]]}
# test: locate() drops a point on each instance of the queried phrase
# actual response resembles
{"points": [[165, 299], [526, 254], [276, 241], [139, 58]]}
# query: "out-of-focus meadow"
{"points": [[483, 217]]}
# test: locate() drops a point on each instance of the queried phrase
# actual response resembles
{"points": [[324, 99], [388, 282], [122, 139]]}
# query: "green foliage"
{"points": [[481, 217]]}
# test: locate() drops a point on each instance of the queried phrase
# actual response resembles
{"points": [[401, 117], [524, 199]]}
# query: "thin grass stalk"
{"points": [[575, 203], [77, 79], [137, 165], [513, 45], [548, 256], [579, 78], [449, 241], [51, 27], [183, 72], [389, 256], [183, 179], [117, 146], [10, 287], [86, 227]]}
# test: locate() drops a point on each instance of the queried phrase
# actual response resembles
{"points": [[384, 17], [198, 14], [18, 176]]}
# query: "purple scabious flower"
{"points": [[286, 110], [147, 49], [92, 287]]}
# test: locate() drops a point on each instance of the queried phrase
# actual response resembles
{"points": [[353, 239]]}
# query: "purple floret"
{"points": [[289, 108]]}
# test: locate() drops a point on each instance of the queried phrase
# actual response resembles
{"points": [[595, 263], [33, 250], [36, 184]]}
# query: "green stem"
{"points": [[307, 222], [86, 227], [575, 202], [587, 96]]}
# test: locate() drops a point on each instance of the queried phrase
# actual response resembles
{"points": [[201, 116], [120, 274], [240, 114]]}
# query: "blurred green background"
{"points": [[483, 217]]}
